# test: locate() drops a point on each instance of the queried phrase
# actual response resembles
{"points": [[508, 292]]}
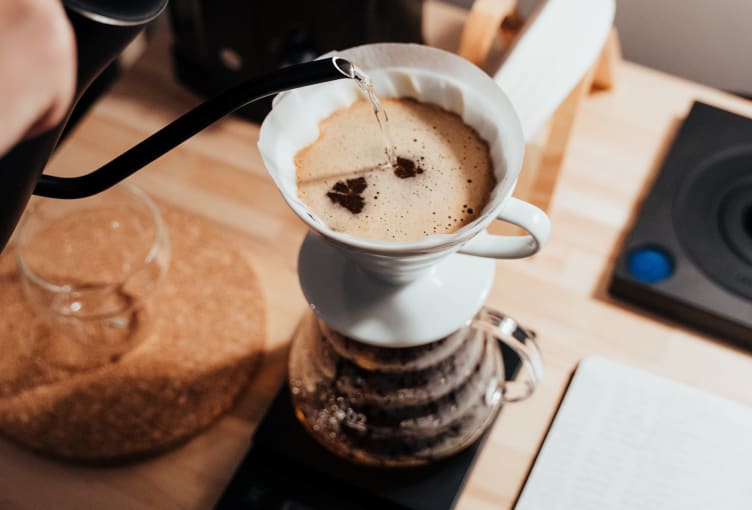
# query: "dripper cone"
{"points": [[397, 70]]}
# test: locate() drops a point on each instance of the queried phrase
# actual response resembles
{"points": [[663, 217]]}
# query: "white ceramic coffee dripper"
{"points": [[435, 76], [400, 294], [405, 293]]}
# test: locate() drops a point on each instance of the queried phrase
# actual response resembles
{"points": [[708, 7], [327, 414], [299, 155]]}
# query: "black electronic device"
{"points": [[286, 469], [219, 43], [689, 253]]}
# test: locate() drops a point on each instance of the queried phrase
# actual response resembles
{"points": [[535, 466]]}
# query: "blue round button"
{"points": [[650, 264]]}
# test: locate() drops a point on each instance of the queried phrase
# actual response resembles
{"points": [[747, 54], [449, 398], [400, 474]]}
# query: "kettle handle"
{"points": [[191, 123]]}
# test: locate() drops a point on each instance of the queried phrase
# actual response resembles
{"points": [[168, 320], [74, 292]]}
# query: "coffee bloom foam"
{"points": [[397, 70]]}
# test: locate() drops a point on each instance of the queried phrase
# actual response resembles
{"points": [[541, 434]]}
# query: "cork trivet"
{"points": [[205, 340]]}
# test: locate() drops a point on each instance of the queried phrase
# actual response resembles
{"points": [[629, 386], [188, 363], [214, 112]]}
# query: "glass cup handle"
{"points": [[522, 214], [522, 341]]}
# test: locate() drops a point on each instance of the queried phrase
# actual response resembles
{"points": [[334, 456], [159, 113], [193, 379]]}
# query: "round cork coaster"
{"points": [[206, 338]]}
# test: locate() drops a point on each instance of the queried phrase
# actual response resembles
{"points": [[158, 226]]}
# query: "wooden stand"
{"points": [[492, 21]]}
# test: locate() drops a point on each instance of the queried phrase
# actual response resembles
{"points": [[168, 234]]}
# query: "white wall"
{"points": [[709, 41]]}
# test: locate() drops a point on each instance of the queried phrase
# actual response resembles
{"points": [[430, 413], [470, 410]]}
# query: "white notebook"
{"points": [[627, 440]]}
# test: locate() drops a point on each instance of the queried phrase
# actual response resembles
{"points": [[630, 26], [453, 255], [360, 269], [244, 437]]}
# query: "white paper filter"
{"points": [[397, 70]]}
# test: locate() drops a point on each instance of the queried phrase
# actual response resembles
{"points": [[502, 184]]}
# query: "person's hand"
{"points": [[37, 68]]}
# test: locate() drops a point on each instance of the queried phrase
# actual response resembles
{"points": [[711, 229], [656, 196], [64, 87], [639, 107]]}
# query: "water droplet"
{"points": [[493, 393]]}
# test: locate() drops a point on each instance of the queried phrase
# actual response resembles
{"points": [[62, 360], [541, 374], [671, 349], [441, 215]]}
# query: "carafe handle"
{"points": [[522, 341]]}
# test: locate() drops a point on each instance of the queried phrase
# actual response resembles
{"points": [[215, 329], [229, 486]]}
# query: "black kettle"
{"points": [[103, 28]]}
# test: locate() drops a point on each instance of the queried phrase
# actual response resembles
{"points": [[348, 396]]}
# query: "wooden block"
{"points": [[605, 68], [555, 147], [601, 75], [481, 28], [511, 27], [486, 20]]}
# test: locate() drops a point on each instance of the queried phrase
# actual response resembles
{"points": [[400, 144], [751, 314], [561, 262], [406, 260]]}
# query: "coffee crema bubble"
{"points": [[441, 182]]}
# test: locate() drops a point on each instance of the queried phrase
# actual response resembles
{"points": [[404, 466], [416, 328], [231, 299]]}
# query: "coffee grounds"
{"points": [[429, 175], [406, 168], [349, 194]]}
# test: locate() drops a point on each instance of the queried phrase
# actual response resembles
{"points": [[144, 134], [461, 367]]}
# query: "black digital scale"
{"points": [[689, 254], [286, 469]]}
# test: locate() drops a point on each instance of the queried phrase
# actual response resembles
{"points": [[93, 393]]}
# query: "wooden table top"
{"points": [[618, 143]]}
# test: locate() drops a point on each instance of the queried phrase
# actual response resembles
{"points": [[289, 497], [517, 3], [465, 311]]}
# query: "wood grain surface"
{"points": [[619, 140]]}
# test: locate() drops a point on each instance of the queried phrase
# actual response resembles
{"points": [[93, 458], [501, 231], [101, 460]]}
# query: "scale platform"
{"points": [[689, 254], [286, 469]]}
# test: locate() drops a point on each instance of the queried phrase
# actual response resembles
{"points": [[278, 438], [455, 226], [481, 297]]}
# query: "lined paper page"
{"points": [[625, 439]]}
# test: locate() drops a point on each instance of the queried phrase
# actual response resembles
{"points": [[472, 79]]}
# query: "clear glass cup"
{"points": [[397, 407], [90, 269]]}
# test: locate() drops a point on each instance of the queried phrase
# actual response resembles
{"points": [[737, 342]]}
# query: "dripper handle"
{"points": [[522, 214], [522, 341]]}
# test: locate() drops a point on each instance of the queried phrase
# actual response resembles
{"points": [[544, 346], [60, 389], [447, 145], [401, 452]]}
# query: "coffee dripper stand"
{"points": [[363, 425], [399, 370]]}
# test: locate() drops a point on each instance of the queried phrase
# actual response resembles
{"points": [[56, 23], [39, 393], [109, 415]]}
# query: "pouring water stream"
{"points": [[366, 85], [382, 119]]}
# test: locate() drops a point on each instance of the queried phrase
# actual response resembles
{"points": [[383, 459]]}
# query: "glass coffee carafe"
{"points": [[412, 405]]}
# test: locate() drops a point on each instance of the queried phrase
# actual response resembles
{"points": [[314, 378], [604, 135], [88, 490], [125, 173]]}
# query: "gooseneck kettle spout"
{"points": [[102, 29], [191, 123]]}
